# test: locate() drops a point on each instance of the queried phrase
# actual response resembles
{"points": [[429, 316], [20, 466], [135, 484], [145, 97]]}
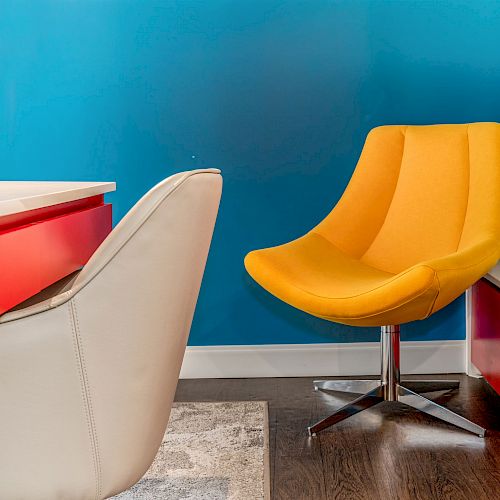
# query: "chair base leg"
{"points": [[431, 385], [414, 400], [407, 393], [365, 401], [390, 388], [364, 386], [349, 386]]}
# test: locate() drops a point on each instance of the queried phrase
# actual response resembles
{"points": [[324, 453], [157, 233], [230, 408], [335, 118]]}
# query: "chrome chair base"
{"points": [[390, 388], [405, 395]]}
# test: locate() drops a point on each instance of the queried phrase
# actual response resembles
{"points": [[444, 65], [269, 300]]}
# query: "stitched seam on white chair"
{"points": [[77, 344]]}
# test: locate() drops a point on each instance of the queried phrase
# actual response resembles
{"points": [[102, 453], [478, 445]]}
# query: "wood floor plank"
{"points": [[490, 482], [389, 451], [451, 481], [299, 478], [347, 466], [397, 473]]}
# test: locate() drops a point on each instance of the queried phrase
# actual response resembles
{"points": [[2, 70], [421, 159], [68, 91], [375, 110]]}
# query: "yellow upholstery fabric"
{"points": [[417, 225]]}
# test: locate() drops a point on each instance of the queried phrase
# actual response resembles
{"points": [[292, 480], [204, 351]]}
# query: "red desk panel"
{"points": [[39, 247], [485, 338]]}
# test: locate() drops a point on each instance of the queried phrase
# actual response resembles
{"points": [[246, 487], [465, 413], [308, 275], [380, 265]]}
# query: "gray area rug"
{"points": [[211, 451]]}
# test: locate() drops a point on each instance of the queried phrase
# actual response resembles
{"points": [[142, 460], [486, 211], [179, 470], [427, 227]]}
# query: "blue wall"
{"points": [[278, 94]]}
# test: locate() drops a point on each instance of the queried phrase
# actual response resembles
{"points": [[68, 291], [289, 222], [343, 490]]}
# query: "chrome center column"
{"points": [[389, 345]]}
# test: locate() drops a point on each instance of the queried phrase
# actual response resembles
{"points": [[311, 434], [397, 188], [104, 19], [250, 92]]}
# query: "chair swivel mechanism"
{"points": [[418, 223]]}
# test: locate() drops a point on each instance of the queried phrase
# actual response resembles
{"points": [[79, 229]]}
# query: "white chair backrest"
{"points": [[134, 303], [88, 376]]}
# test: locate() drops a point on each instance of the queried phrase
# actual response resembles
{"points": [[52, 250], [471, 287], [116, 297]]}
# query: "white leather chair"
{"points": [[87, 376]]}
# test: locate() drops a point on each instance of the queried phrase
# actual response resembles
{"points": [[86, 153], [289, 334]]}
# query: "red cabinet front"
{"points": [[42, 246], [485, 339]]}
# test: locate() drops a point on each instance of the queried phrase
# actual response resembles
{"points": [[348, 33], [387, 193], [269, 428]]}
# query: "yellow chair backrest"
{"points": [[419, 193]]}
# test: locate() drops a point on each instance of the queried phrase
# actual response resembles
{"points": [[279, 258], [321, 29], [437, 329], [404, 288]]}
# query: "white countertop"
{"points": [[21, 196]]}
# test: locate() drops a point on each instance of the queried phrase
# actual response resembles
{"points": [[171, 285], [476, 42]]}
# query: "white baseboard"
{"points": [[302, 360]]}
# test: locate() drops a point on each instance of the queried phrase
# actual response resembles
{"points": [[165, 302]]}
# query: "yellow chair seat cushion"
{"points": [[314, 276]]}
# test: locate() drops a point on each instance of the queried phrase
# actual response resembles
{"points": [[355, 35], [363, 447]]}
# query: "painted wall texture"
{"points": [[277, 94]]}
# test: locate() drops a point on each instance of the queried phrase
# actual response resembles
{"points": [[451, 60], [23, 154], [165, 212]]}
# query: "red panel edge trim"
{"points": [[16, 221]]}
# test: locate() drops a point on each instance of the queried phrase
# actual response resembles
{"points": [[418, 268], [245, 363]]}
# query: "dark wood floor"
{"points": [[387, 452]]}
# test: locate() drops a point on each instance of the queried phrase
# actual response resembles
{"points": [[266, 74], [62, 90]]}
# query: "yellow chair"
{"points": [[417, 225]]}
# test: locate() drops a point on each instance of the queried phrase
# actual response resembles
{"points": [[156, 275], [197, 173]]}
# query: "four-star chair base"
{"points": [[390, 388]]}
